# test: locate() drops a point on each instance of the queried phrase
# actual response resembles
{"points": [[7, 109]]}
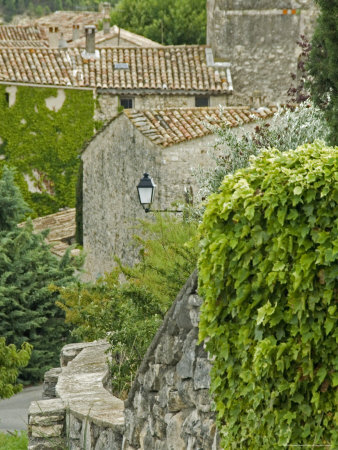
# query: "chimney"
{"points": [[90, 39], [62, 43], [76, 32], [53, 37], [106, 17]]}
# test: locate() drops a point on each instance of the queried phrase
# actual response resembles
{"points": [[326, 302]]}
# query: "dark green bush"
{"points": [[268, 273]]}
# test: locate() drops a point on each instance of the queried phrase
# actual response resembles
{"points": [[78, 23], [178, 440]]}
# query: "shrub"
{"points": [[127, 306], [14, 441], [11, 360], [287, 129], [268, 273], [27, 307]]}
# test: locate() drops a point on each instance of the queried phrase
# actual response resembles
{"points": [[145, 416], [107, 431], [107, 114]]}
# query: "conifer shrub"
{"points": [[28, 312], [268, 272]]}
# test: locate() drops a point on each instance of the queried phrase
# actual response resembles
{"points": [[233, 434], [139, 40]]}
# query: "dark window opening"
{"points": [[127, 103], [201, 102], [7, 97]]}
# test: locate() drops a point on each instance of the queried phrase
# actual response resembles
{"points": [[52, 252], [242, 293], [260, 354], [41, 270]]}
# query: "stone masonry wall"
{"points": [[107, 104], [258, 37], [169, 406], [77, 411]]}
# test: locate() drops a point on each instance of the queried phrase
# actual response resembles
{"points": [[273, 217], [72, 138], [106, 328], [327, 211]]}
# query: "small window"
{"points": [[126, 102], [201, 102], [7, 97]]}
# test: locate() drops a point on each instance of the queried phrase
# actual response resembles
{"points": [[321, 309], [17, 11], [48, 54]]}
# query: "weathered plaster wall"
{"points": [[260, 42], [169, 406]]}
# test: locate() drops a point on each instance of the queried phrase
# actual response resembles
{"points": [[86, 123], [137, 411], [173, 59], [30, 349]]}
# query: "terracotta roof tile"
{"points": [[173, 68], [172, 126], [61, 227], [22, 36]]}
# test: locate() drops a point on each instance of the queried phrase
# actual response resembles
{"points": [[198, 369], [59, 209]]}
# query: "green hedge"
{"points": [[35, 138], [268, 273]]}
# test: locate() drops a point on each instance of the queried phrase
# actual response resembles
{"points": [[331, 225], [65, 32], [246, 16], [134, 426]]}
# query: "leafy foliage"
{"points": [[37, 140], [27, 307], [11, 360], [128, 305], [268, 272], [288, 128], [323, 65], [171, 22], [14, 441]]}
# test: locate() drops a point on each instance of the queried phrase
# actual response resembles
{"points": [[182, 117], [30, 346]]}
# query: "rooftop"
{"points": [[175, 125], [62, 229], [115, 31], [22, 36], [65, 20], [175, 69]]}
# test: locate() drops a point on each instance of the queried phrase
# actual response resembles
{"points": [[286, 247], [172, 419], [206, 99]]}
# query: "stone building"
{"points": [[116, 37], [259, 37], [133, 77], [166, 143]]}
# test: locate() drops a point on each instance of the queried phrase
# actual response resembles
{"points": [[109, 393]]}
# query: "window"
{"points": [[127, 102], [201, 102], [7, 97]]}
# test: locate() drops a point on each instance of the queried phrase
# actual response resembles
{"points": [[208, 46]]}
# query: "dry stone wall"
{"points": [[169, 406]]}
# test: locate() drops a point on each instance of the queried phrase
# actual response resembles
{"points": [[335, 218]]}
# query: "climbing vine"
{"points": [[268, 272], [43, 144]]}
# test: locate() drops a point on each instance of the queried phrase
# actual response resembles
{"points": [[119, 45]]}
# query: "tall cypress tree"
{"points": [[323, 64], [27, 267]]}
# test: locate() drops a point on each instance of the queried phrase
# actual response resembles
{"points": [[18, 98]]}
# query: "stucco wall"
{"points": [[260, 42]]}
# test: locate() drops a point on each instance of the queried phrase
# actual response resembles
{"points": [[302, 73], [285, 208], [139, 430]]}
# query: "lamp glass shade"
{"points": [[146, 189]]}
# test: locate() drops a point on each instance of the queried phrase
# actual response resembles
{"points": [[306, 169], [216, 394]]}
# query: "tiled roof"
{"points": [[20, 33], [173, 126], [162, 69], [134, 39], [62, 229], [23, 44], [20, 36], [65, 20]]}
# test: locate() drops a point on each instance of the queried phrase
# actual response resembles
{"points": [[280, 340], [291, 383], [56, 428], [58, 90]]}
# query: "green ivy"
{"points": [[268, 272], [35, 138]]}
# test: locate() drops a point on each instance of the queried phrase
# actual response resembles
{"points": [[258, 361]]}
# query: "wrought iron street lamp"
{"points": [[146, 190]]}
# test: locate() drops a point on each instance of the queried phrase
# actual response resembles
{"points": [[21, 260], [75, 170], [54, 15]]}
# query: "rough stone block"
{"points": [[194, 314], [202, 374], [47, 431], [152, 380], [45, 420], [195, 300], [176, 403], [174, 440], [73, 427], [185, 367]]}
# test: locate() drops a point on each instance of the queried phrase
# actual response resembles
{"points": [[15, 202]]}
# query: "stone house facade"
{"points": [[168, 144], [133, 77], [260, 38]]}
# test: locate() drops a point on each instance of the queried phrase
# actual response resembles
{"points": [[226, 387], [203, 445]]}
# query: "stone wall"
{"points": [[169, 406], [259, 38], [113, 164], [77, 411], [107, 104]]}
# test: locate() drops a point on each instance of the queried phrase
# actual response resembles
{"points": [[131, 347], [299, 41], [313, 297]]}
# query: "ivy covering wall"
{"points": [[44, 144], [268, 272]]}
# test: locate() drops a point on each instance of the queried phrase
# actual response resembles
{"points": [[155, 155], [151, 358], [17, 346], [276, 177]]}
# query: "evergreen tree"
{"points": [[323, 64], [27, 267]]}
